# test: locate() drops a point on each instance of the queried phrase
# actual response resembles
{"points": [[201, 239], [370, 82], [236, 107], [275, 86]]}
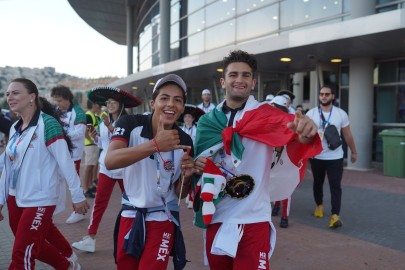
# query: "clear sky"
{"points": [[49, 33]]}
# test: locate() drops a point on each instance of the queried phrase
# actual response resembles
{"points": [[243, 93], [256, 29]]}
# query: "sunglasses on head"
{"points": [[325, 94]]}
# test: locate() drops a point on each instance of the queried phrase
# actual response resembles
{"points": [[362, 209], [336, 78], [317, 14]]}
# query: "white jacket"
{"points": [[41, 153], [75, 119]]}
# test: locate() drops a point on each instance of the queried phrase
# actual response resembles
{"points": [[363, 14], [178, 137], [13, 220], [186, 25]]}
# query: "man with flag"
{"points": [[238, 136]]}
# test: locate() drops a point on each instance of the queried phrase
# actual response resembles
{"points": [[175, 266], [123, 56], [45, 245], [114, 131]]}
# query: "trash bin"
{"points": [[394, 152]]}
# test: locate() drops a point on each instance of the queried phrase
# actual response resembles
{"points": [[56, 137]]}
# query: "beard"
{"points": [[327, 103]]}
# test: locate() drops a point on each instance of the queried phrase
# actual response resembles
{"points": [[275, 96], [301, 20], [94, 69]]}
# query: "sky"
{"points": [[49, 33]]}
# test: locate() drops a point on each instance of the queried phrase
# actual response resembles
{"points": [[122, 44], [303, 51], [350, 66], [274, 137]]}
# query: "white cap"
{"points": [[279, 100], [286, 96], [269, 97], [171, 78], [206, 91]]}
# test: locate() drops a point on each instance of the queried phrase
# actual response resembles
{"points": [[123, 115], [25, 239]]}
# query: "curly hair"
{"points": [[239, 56]]}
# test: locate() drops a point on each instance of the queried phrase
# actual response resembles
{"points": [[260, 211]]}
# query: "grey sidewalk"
{"points": [[372, 236]]}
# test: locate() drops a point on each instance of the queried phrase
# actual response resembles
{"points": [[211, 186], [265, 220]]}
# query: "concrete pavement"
{"points": [[372, 236]]}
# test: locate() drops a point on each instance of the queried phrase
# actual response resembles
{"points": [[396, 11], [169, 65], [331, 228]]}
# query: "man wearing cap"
{"points": [[269, 97], [157, 173], [206, 105], [290, 98]]}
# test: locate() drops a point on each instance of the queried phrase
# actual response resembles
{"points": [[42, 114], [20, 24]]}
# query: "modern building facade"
{"points": [[364, 38]]}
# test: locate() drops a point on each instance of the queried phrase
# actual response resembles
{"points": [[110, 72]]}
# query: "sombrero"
{"points": [[193, 110], [101, 94]]}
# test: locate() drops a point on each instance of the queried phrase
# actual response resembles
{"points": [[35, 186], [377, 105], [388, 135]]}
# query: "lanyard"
{"points": [[168, 166], [17, 138], [322, 121]]}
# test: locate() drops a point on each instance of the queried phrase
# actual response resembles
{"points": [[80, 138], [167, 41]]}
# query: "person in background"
{"points": [[269, 97], [116, 100], [281, 102], [37, 152], [157, 174], [75, 126], [290, 98], [206, 104], [239, 231], [190, 119], [330, 162], [91, 151]]}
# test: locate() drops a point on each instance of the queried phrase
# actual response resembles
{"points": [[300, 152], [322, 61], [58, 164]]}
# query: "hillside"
{"points": [[46, 78]]}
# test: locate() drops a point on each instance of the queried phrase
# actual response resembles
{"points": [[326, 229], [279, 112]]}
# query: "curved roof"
{"points": [[108, 17]]}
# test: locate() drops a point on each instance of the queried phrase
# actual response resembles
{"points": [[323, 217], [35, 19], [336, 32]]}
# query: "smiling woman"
{"points": [[35, 156], [151, 148]]}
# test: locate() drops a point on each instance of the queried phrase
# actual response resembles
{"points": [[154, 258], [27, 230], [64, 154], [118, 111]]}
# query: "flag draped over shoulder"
{"points": [[265, 124]]}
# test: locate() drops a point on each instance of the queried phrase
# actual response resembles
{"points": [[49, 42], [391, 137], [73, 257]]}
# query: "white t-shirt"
{"points": [[338, 118], [206, 109]]}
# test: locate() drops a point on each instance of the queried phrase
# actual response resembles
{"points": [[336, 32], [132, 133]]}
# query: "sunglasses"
{"points": [[324, 94]]}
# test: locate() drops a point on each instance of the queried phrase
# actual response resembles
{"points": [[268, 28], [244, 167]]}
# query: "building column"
{"points": [[361, 8], [361, 95], [164, 7], [130, 37], [298, 88], [314, 89]]}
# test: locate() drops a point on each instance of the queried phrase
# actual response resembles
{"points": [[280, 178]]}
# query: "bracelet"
{"points": [[155, 145]]}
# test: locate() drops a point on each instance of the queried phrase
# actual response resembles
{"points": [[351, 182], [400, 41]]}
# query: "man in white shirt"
{"points": [[206, 105], [330, 162]]}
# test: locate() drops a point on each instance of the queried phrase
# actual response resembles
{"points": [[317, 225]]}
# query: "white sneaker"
{"points": [[87, 244], [190, 205], [74, 265], [74, 217]]}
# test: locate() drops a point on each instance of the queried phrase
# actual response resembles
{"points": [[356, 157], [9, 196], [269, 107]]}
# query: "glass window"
{"points": [[220, 11], [246, 6], [174, 32], [294, 12], [146, 36], [196, 22], [195, 43], [401, 104], [193, 5], [175, 11], [145, 52], [385, 104], [401, 71], [220, 35], [387, 72], [258, 23], [147, 64], [344, 76], [347, 5]]}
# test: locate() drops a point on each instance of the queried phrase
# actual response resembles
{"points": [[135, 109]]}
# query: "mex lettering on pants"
{"points": [[163, 250], [262, 260], [37, 221]]}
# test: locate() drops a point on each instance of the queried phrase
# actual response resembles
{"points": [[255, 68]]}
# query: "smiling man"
{"points": [[239, 136]]}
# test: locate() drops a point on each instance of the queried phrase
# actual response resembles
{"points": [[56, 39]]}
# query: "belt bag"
{"points": [[332, 137]]}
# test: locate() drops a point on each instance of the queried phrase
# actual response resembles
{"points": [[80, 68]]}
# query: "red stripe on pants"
{"points": [[253, 248], [30, 226]]}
